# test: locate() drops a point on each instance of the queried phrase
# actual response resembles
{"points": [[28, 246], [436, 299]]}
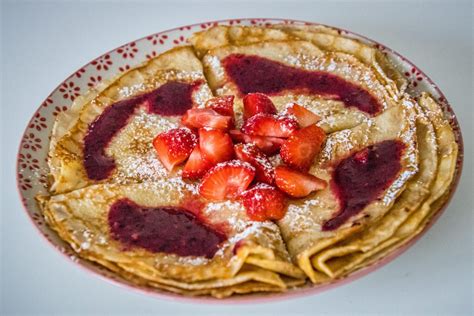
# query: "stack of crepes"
{"points": [[101, 156]]}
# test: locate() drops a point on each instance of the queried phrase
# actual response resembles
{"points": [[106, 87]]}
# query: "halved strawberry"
{"points": [[270, 125], [223, 105], [263, 202], [226, 180], [198, 118], [255, 103], [196, 166], [304, 116], [174, 146], [216, 145], [300, 149], [263, 167], [295, 183], [268, 145]]}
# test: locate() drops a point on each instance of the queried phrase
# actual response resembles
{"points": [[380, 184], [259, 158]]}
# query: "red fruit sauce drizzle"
{"points": [[168, 229], [363, 177], [172, 98], [256, 74]]}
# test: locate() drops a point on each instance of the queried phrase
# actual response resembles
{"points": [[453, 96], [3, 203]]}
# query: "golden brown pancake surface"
{"points": [[113, 201]]}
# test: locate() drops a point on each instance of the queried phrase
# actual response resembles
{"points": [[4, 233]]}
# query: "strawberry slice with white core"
{"points": [[196, 166], [263, 167], [198, 118], [268, 145], [216, 145], [270, 125], [304, 116], [255, 103], [264, 202], [226, 180], [297, 184], [300, 149], [174, 146]]}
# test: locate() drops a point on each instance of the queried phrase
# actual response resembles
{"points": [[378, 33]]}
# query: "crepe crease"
{"points": [[80, 218], [256, 256]]}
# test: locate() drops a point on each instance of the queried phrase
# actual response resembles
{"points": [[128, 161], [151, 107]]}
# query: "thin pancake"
{"points": [[302, 225], [80, 218], [222, 35], [304, 56], [346, 254], [410, 223], [131, 148], [255, 256], [333, 40]]}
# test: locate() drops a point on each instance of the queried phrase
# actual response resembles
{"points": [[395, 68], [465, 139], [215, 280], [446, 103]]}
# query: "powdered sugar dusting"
{"points": [[235, 163], [342, 65], [299, 217], [249, 149]]}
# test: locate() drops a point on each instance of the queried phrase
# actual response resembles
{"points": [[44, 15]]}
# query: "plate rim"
{"points": [[312, 289]]}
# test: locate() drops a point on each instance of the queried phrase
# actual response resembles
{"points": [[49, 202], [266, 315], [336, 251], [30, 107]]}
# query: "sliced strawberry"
{"points": [[264, 202], [263, 167], [270, 125], [268, 145], [304, 116], [196, 166], [255, 103], [216, 145], [174, 146], [295, 183], [300, 149], [198, 118], [226, 180], [223, 105]]}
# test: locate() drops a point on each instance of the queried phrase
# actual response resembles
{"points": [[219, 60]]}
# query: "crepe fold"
{"points": [[254, 256], [131, 149], [252, 251], [431, 139]]}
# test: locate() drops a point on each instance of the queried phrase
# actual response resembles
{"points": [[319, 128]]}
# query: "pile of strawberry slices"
{"points": [[234, 164]]}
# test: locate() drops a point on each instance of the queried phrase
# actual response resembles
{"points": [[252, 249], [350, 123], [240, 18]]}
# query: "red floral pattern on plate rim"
{"points": [[32, 153]]}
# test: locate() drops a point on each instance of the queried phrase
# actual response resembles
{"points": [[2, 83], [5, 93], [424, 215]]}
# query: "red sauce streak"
{"points": [[363, 177], [256, 74], [167, 229], [172, 98]]}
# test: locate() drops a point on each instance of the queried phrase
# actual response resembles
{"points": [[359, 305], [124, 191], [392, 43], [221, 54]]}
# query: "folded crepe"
{"points": [[319, 221], [197, 246], [124, 115], [390, 161], [426, 192], [313, 76], [385, 233], [325, 38]]}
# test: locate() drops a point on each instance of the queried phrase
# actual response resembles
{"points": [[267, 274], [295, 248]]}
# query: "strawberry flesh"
{"points": [[198, 118], [297, 184], [174, 146], [268, 145], [270, 125], [255, 103], [226, 180], [304, 116], [300, 149], [216, 145], [196, 166], [263, 167], [264, 202], [223, 105]]}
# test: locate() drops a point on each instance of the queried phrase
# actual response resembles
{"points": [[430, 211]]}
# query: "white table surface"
{"points": [[44, 42]]}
